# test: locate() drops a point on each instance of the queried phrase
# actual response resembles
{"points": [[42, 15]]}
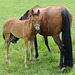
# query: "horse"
{"points": [[54, 20], [21, 29]]}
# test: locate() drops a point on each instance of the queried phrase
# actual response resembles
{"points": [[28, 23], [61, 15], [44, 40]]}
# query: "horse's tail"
{"points": [[3, 36], [66, 38]]}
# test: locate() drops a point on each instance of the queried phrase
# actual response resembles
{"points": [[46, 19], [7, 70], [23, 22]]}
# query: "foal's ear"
{"points": [[38, 12], [32, 12]]}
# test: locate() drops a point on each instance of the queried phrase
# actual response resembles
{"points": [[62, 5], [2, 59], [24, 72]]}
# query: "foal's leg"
{"points": [[36, 50], [61, 47], [7, 43], [46, 43], [26, 51], [31, 50]]}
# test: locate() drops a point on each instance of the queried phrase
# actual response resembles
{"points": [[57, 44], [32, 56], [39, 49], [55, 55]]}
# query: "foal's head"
{"points": [[36, 20]]}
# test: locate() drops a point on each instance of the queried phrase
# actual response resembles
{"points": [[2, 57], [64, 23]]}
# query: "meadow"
{"points": [[48, 62]]}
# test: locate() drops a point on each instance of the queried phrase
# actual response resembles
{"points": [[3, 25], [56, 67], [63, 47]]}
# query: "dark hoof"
{"points": [[63, 70], [49, 50], [36, 56]]}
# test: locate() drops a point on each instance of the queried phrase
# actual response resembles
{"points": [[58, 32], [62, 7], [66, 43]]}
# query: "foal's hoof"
{"points": [[26, 66], [7, 61], [32, 62], [63, 70]]}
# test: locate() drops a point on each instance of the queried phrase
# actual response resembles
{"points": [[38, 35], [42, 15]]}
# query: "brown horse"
{"points": [[56, 19], [22, 29]]}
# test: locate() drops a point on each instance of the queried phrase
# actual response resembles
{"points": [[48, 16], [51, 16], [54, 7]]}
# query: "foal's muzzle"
{"points": [[37, 28]]}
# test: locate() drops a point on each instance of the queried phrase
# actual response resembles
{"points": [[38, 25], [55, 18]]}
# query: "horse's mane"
{"points": [[25, 14]]}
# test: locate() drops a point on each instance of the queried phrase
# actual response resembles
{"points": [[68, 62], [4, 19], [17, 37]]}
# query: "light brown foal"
{"points": [[22, 29]]}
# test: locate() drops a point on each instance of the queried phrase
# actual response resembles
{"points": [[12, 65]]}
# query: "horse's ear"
{"points": [[32, 12], [38, 12]]}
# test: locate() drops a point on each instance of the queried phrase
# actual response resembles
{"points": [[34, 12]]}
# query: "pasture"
{"points": [[48, 62]]}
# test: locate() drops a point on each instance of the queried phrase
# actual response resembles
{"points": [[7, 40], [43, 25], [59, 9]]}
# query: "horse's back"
{"points": [[51, 20]]}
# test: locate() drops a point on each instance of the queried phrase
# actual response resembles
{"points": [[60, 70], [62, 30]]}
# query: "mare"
{"points": [[54, 20], [21, 29]]}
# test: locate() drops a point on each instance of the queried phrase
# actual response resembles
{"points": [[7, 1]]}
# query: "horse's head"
{"points": [[36, 20]]}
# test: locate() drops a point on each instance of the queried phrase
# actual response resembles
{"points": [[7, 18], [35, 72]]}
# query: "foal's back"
{"points": [[14, 26]]}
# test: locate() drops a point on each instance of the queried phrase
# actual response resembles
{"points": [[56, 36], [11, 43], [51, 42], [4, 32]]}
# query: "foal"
{"points": [[22, 29]]}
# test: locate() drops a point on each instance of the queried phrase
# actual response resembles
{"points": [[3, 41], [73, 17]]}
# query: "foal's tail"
{"points": [[66, 38]]}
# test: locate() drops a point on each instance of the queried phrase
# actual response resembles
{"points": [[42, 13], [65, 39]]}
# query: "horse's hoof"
{"points": [[36, 56], [63, 70], [49, 50], [26, 66]]}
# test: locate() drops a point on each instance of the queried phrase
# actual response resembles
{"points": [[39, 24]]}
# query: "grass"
{"points": [[48, 62]]}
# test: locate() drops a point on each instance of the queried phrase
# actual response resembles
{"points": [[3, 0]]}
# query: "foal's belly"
{"points": [[18, 35], [17, 32]]}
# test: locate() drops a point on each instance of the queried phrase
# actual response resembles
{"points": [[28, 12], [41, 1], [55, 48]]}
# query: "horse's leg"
{"points": [[36, 50], [31, 50], [61, 47], [7, 43], [26, 51], [15, 39], [46, 43]]}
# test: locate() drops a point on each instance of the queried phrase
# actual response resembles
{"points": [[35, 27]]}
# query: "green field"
{"points": [[48, 62]]}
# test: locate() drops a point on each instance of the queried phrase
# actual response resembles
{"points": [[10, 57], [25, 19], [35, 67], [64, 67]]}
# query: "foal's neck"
{"points": [[30, 25]]}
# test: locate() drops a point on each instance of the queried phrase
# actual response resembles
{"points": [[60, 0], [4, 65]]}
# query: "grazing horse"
{"points": [[22, 29], [56, 19]]}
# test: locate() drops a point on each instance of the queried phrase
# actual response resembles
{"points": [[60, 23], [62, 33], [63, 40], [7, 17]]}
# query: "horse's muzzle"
{"points": [[37, 28]]}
